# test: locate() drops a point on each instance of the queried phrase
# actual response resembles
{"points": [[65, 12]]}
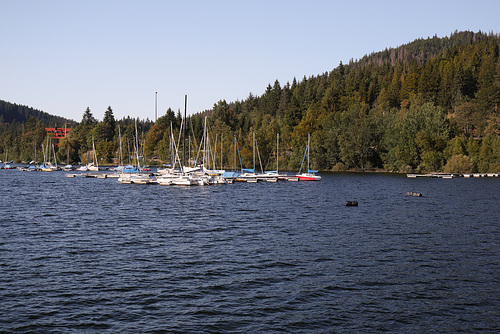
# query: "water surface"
{"points": [[93, 255]]}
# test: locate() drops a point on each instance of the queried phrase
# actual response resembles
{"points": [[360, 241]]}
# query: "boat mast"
{"points": [[277, 151], [95, 153], [189, 151], [205, 155], [172, 143], [254, 151], [67, 141], [120, 158], [137, 144], [308, 150], [54, 151], [184, 133], [214, 155]]}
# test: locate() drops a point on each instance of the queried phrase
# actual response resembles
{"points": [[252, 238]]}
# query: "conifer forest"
{"points": [[431, 105]]}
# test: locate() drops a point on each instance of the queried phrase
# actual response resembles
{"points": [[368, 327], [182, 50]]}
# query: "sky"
{"points": [[63, 56]]}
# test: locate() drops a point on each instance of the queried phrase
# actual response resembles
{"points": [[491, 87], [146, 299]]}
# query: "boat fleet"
{"points": [[187, 176], [177, 173]]}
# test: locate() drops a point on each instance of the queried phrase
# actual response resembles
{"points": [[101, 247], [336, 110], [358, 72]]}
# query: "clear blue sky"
{"points": [[64, 56]]}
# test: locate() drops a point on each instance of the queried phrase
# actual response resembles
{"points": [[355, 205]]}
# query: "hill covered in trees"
{"points": [[429, 105], [14, 113]]}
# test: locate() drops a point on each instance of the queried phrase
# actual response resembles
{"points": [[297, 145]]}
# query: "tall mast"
{"points": [[277, 151], [95, 153], [254, 152], [184, 133], [205, 155], [156, 106], [172, 154], [308, 150], [120, 158], [137, 145]]}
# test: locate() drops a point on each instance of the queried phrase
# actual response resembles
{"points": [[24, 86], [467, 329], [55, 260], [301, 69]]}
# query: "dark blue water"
{"points": [[93, 255]]}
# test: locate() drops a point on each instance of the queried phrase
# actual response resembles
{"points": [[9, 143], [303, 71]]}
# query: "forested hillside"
{"points": [[430, 105], [14, 113]]}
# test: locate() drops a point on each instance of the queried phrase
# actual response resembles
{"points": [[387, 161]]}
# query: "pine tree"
{"points": [[88, 118], [108, 125]]}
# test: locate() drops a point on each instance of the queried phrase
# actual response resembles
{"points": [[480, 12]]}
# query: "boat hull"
{"points": [[308, 177]]}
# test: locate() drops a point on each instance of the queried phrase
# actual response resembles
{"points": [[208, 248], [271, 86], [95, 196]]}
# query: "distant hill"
{"points": [[15, 113], [422, 50]]}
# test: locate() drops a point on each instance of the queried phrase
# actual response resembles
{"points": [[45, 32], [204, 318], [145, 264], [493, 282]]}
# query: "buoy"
{"points": [[413, 194], [351, 203]]}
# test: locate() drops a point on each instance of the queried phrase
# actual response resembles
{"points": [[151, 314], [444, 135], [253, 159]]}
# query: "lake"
{"points": [[94, 255]]}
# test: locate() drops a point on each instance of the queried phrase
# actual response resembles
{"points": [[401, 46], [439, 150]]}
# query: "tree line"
{"points": [[430, 105]]}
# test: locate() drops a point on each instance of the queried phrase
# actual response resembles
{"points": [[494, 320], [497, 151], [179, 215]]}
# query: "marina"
{"points": [[159, 176], [177, 178]]}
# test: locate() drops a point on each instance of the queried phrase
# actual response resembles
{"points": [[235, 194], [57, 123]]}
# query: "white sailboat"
{"points": [[90, 166], [310, 175], [274, 176], [184, 176], [173, 176], [133, 175], [248, 174], [47, 165]]}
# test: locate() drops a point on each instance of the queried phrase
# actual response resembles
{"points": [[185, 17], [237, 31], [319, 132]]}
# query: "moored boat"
{"points": [[310, 175]]}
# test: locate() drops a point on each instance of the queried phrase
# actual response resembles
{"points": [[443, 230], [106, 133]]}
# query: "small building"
{"points": [[58, 133]]}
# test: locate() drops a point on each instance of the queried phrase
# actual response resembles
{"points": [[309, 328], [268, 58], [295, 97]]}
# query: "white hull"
{"points": [[135, 179]]}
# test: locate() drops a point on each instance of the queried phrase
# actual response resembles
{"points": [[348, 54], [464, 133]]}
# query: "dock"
{"points": [[94, 175], [452, 175]]}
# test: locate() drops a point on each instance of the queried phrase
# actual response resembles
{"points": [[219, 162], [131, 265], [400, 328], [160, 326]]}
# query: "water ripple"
{"points": [[91, 255]]}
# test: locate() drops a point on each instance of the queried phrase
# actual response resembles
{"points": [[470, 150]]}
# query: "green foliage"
{"points": [[459, 164], [14, 113], [430, 105]]}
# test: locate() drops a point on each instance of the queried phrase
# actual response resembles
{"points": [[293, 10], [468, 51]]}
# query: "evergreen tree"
{"points": [[88, 118], [108, 126]]}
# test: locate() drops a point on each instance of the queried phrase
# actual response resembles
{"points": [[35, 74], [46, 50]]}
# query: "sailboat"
{"points": [[208, 175], [120, 166], [273, 176], [248, 174], [68, 167], [185, 175], [91, 166], [311, 174], [133, 175], [47, 165], [94, 166]]}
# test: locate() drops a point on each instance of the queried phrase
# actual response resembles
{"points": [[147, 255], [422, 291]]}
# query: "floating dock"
{"points": [[451, 176]]}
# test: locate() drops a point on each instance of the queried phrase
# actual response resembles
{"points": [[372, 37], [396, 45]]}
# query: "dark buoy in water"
{"points": [[351, 203], [413, 194]]}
